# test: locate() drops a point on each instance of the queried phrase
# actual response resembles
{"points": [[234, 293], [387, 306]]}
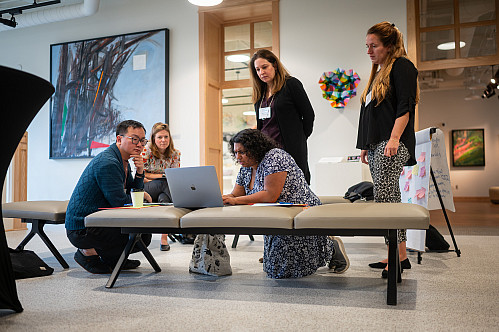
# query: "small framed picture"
{"points": [[468, 147]]}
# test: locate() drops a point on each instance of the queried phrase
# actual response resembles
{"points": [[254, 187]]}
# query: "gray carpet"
{"points": [[443, 293]]}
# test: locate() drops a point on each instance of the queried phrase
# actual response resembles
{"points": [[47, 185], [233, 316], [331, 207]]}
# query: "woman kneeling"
{"points": [[269, 174]]}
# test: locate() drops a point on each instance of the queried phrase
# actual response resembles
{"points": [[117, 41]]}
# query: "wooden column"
{"points": [[20, 181]]}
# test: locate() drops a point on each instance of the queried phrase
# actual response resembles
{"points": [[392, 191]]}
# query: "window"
{"points": [[454, 33], [240, 42]]}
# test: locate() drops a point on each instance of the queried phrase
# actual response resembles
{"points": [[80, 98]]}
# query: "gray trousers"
{"points": [[159, 191]]}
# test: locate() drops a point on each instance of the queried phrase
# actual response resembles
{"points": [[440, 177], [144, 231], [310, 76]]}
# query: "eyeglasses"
{"points": [[136, 141]]}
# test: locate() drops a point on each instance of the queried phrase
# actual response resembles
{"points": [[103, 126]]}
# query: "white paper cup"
{"points": [[137, 197]]}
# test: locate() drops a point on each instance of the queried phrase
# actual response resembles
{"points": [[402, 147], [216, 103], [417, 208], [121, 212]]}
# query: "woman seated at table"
{"points": [[269, 174], [159, 154]]}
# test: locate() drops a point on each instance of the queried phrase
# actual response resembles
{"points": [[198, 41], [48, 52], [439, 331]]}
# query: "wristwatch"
{"points": [[137, 175]]}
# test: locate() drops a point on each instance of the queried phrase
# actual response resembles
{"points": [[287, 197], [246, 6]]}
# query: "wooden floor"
{"points": [[470, 218]]}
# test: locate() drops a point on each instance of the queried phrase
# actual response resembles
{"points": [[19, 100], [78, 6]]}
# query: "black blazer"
{"points": [[376, 122], [295, 117]]}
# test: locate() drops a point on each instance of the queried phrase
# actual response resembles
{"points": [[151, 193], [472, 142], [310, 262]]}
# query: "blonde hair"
{"points": [[281, 74], [156, 128], [392, 39]]}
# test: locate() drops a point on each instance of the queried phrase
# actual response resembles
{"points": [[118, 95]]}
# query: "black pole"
{"points": [[458, 252]]}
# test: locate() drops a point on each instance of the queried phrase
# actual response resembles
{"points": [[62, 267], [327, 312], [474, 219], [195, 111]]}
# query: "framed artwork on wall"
{"points": [[101, 82], [468, 147]]}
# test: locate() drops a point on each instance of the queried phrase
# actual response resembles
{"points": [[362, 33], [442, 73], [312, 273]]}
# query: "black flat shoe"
{"points": [[405, 264], [164, 247], [378, 265]]}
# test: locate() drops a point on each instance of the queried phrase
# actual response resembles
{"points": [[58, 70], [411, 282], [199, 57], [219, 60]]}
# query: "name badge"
{"points": [[264, 113], [368, 98]]}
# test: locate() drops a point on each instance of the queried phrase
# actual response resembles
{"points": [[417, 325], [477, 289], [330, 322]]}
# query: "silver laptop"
{"points": [[194, 187]]}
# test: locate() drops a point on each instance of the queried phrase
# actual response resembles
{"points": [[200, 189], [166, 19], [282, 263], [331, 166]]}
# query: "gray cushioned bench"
{"points": [[38, 213], [368, 219]]}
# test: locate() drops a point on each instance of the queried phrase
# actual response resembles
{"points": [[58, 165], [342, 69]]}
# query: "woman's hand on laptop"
{"points": [[229, 199], [147, 197]]}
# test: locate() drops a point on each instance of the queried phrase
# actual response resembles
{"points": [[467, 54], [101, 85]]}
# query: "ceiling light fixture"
{"points": [[11, 23], [490, 89], [238, 58], [495, 78], [205, 2], [450, 46]]}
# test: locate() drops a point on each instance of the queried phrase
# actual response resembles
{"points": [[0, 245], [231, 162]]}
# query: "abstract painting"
{"points": [[468, 147], [101, 82]]}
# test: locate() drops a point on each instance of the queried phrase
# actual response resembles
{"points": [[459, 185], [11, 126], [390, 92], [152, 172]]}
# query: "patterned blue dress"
{"points": [[288, 256]]}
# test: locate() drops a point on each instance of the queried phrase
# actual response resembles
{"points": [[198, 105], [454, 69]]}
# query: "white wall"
{"points": [[449, 107], [322, 35], [29, 49], [316, 36]]}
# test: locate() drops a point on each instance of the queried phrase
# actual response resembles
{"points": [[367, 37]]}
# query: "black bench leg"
{"points": [[132, 239], [28, 238], [236, 238], [393, 268], [147, 253], [37, 228], [172, 238], [234, 242]]}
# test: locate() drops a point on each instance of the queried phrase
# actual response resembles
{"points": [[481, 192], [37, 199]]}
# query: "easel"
{"points": [[456, 249]]}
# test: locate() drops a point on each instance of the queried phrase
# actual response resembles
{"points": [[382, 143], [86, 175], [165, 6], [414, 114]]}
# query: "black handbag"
{"points": [[363, 190], [435, 240], [27, 264]]}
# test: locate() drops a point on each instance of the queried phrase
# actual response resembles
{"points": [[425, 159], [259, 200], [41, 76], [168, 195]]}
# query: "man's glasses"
{"points": [[136, 141]]}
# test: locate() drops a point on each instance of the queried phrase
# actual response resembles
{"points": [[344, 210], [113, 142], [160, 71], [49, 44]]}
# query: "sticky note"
{"points": [[415, 170], [422, 157], [420, 193], [422, 171]]}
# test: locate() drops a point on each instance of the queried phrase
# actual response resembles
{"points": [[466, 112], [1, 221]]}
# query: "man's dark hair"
{"points": [[256, 143], [123, 126]]}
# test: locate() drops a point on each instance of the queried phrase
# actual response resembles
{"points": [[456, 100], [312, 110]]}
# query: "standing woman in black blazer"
{"points": [[386, 124], [283, 110]]}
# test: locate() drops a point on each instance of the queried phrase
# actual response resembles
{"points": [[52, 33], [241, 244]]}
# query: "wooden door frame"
{"points": [[230, 11], [18, 185]]}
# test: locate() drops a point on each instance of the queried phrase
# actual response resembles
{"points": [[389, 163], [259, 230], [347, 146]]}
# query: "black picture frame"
{"points": [[102, 81], [468, 147]]}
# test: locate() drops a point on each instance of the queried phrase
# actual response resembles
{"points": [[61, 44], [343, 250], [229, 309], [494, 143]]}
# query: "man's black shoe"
{"points": [[92, 264], [131, 264]]}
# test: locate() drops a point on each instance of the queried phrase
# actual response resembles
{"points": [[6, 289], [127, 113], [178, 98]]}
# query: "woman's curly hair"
{"points": [[256, 144]]}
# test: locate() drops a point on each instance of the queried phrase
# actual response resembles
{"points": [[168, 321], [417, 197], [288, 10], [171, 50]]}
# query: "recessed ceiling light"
{"points": [[205, 2], [238, 58], [450, 46], [249, 113]]}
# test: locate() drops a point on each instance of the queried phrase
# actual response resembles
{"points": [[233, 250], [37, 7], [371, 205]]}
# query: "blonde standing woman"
{"points": [[386, 125]]}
